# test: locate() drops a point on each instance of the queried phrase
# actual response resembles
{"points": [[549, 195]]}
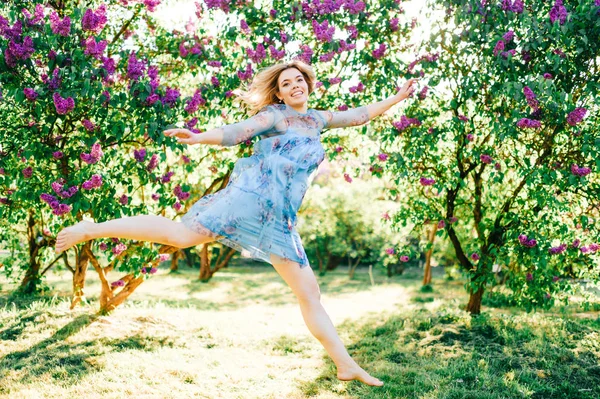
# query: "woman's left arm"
{"points": [[361, 115]]}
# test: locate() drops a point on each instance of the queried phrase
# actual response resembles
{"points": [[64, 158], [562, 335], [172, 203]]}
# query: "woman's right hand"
{"points": [[184, 136]]}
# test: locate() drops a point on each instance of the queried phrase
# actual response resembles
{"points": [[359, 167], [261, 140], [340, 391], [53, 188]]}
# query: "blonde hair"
{"points": [[264, 86]]}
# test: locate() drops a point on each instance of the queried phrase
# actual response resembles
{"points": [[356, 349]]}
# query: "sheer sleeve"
{"points": [[351, 117], [262, 122]]}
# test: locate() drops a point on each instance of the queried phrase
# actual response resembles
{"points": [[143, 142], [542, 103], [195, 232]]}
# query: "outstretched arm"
{"points": [[230, 135], [361, 115]]}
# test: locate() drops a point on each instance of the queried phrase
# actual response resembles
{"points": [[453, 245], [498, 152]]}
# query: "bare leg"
{"points": [[304, 285], [151, 228]]}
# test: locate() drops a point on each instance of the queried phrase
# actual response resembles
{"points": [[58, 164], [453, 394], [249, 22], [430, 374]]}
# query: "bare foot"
{"points": [[357, 373], [72, 235]]}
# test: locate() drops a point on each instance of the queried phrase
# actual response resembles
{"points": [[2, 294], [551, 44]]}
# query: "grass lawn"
{"points": [[242, 336]]}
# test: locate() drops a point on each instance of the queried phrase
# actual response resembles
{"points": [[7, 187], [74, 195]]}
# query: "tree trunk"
{"points": [[205, 272], [82, 260], [474, 305], [427, 273], [188, 257], [32, 279], [175, 261], [352, 267]]}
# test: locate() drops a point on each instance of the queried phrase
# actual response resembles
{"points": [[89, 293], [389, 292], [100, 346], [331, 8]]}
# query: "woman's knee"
{"points": [[187, 237]]}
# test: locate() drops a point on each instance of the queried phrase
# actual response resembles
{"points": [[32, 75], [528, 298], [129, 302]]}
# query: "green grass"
{"points": [[242, 336]]}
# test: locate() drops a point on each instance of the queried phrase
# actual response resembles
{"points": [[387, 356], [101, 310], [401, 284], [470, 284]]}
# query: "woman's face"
{"points": [[293, 89]]}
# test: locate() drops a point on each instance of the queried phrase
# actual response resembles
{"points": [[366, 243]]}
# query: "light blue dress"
{"points": [[257, 209]]}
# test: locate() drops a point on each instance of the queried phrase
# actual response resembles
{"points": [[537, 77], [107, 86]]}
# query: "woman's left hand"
{"points": [[409, 87]]}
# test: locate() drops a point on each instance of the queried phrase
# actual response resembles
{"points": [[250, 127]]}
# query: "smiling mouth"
{"points": [[297, 94]]}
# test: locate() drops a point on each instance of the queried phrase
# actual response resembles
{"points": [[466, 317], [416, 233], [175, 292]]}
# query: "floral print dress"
{"points": [[257, 209]]}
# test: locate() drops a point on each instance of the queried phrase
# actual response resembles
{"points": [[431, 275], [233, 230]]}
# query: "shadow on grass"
{"points": [[56, 359], [448, 354]]}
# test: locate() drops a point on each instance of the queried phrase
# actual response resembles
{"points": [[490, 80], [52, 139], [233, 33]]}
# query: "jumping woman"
{"points": [[257, 209]]}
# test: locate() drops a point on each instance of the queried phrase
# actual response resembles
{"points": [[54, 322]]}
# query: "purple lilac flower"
{"points": [[426, 181], [135, 67], [94, 155], [548, 75], [94, 21], [63, 105], [30, 94], [463, 118], [27, 172], [185, 159], [441, 224], [558, 250], [58, 26], [124, 199], [170, 97], [181, 195], [347, 178], [167, 177], [423, 93], [594, 247], [485, 158], [246, 74], [379, 52], [499, 47], [333, 81], [394, 24], [516, 6], [529, 277], [58, 154], [354, 8], [153, 163], [118, 250], [530, 97], [383, 156], [88, 125], [353, 31], [153, 270], [244, 26], [177, 206], [37, 17], [577, 171], [343, 107], [109, 65], [525, 123], [139, 155], [470, 137], [258, 55], [345, 46], [276, 54], [576, 116], [508, 36], [16, 51], [155, 196], [404, 258], [103, 246], [475, 256], [323, 31], [390, 251], [151, 5], [283, 37], [306, 55], [54, 83], [94, 49], [405, 123], [558, 12], [193, 103], [526, 241], [576, 243]]}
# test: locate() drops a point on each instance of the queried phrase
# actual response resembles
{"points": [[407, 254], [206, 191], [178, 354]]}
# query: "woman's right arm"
{"points": [[229, 135]]}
